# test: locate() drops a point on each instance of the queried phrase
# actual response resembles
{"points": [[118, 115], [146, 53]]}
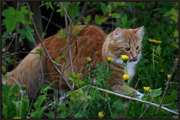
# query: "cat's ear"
{"points": [[118, 34], [140, 31]]}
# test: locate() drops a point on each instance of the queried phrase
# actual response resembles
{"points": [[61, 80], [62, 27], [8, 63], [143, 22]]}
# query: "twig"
{"points": [[46, 51], [136, 99], [146, 109], [16, 40], [20, 53], [67, 53], [131, 100], [83, 10], [48, 22], [65, 12], [53, 23], [170, 79]]}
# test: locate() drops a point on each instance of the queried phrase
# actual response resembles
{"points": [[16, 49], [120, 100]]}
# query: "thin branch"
{"points": [[21, 53], [83, 10], [136, 99], [146, 109], [131, 100], [63, 7], [46, 51], [169, 80], [48, 22], [68, 36]]}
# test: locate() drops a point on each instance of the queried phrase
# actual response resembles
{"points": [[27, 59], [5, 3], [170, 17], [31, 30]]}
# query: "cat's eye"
{"points": [[137, 47], [127, 49]]}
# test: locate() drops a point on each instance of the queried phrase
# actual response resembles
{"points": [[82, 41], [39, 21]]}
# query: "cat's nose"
{"points": [[134, 58]]}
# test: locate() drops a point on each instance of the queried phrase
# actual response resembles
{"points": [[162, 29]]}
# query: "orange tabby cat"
{"points": [[90, 42]]}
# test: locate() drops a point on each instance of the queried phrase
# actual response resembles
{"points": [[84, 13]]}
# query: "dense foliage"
{"points": [[160, 20]]}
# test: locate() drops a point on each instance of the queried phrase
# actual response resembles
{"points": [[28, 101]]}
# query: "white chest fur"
{"points": [[131, 69]]}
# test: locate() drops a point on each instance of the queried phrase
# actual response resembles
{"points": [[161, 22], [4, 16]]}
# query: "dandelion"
{"points": [[161, 70], [3, 69], [24, 87], [100, 114], [16, 117], [89, 59], [176, 59], [124, 57], [126, 76], [168, 76], [154, 41], [147, 88], [109, 59], [15, 95]]}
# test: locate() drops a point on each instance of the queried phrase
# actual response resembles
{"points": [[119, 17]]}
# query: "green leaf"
{"points": [[103, 19], [24, 10], [20, 16], [30, 33], [10, 19], [27, 33], [3, 43], [64, 53], [174, 95], [61, 34], [39, 51], [58, 59], [97, 19], [156, 92], [37, 114], [4, 111], [76, 32], [124, 20], [103, 7], [39, 101], [87, 19], [176, 33], [158, 49], [115, 15], [119, 106], [75, 10], [47, 4]]}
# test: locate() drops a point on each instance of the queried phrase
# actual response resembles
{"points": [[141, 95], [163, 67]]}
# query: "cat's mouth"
{"points": [[134, 59]]}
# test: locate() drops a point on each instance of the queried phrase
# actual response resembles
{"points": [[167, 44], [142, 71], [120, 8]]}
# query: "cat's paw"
{"points": [[140, 95]]}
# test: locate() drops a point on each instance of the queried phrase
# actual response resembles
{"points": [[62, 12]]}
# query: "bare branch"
{"points": [[136, 99], [169, 80], [46, 51]]}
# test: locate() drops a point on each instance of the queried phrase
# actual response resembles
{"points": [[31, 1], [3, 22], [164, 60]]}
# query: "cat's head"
{"points": [[126, 42]]}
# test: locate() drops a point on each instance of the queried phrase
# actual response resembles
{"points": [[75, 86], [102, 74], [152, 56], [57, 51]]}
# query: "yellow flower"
{"points": [[126, 76], [168, 76], [125, 57], [15, 95], [154, 41], [176, 59], [100, 114], [3, 69], [162, 71], [147, 88], [24, 86], [89, 59], [109, 59], [16, 117]]}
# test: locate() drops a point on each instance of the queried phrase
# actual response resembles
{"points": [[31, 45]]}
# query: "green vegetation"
{"points": [[160, 20]]}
